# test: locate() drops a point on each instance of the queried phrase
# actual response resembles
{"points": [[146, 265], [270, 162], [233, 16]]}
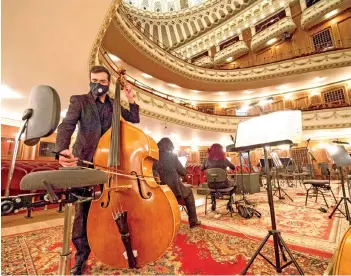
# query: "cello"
{"points": [[135, 220]]}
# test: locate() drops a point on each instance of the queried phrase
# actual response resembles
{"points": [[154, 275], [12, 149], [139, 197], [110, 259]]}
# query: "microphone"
{"points": [[340, 142]]}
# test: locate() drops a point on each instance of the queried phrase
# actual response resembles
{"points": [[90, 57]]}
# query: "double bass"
{"points": [[135, 220]]}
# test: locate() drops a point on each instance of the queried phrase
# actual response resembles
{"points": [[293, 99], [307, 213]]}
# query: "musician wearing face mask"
{"points": [[93, 114]]}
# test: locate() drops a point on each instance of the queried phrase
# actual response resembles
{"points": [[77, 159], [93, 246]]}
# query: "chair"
{"points": [[218, 176], [46, 168], [318, 186], [18, 173]]}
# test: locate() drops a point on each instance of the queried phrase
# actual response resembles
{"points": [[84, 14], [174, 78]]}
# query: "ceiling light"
{"points": [[319, 79], [314, 92], [172, 85], [330, 14], [287, 97], [223, 105], [229, 59], [266, 101], [244, 108], [195, 91], [113, 57], [193, 103], [282, 87], [271, 41], [248, 92], [246, 25], [221, 93], [8, 93], [146, 76]]}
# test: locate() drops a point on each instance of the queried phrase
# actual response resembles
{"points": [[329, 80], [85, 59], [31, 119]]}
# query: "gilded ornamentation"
{"points": [[285, 25], [316, 13], [93, 58], [235, 50], [295, 66]]}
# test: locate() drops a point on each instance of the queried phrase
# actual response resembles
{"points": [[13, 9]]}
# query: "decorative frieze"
{"points": [[204, 61], [235, 51], [322, 11], [327, 60], [272, 34]]}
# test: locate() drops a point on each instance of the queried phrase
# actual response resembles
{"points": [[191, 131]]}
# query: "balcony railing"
{"points": [[248, 62], [286, 55], [190, 103], [235, 50], [276, 31]]}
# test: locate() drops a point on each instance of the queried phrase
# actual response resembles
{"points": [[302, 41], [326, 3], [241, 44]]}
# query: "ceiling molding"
{"points": [[339, 58], [93, 57]]}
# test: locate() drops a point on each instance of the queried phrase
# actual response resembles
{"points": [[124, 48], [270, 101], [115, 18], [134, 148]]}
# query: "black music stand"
{"points": [[279, 244], [278, 164], [341, 158]]}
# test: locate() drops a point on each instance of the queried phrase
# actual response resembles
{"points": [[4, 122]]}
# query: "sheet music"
{"points": [[277, 126]]}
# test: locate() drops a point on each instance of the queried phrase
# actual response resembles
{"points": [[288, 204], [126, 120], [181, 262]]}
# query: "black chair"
{"points": [[218, 176], [319, 186]]}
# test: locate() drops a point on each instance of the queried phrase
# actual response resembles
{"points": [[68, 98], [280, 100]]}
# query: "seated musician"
{"points": [[169, 169], [93, 114], [216, 159]]}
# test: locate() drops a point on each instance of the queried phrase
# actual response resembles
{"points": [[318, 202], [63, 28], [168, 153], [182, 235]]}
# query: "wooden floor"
{"points": [[42, 219]]}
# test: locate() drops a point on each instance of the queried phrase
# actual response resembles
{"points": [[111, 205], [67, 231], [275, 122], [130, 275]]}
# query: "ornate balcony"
{"points": [[204, 61], [321, 11], [235, 50], [273, 32]]}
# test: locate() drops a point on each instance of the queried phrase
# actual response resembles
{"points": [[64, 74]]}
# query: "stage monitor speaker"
{"points": [[250, 184], [43, 114]]}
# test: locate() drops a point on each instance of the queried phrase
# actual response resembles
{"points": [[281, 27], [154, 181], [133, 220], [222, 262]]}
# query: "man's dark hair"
{"points": [[100, 69]]}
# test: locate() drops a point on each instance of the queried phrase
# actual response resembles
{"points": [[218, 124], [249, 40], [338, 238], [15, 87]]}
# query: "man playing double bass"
{"points": [[93, 112]]}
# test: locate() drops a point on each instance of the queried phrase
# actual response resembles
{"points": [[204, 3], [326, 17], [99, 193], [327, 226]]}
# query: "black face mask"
{"points": [[98, 89]]}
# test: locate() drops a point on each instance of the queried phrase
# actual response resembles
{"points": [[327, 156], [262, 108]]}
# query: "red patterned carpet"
{"points": [[299, 225], [203, 250]]}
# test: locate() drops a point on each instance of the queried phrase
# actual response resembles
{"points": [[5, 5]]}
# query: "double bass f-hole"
{"points": [[149, 194], [106, 204]]}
